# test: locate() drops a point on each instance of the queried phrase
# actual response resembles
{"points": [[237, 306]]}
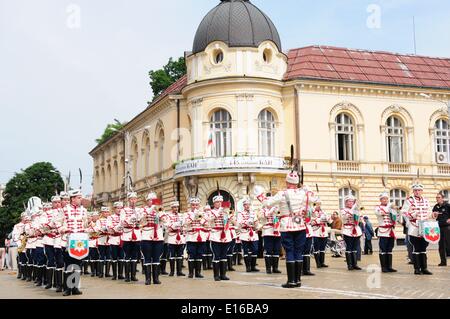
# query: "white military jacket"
{"points": [[195, 227], [415, 210], [248, 224], [386, 224], [292, 203], [350, 225]]}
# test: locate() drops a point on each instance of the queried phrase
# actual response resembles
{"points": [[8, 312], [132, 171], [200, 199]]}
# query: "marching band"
{"points": [[59, 239]]}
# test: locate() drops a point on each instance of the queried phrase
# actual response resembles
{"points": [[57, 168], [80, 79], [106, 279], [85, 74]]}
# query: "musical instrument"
{"points": [[23, 243]]}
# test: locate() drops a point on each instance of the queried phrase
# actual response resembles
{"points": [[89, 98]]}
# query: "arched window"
{"points": [[135, 163], [442, 133], [395, 140], [343, 192], [221, 130], [97, 182], [345, 138], [161, 152], [147, 156], [398, 197], [266, 124], [108, 185], [102, 183], [115, 182]]}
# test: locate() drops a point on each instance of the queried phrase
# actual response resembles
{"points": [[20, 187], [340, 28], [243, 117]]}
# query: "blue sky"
{"points": [[61, 82]]}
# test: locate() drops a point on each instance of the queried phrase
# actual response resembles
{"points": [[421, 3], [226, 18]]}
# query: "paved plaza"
{"points": [[334, 282]]}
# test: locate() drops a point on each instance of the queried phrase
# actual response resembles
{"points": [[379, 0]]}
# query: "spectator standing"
{"points": [[368, 235], [443, 209]]}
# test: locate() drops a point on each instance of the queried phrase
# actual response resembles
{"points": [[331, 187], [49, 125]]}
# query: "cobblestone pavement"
{"points": [[334, 282]]}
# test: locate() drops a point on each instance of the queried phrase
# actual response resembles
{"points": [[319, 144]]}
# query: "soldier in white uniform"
{"points": [[387, 219], [220, 237], [196, 237], [131, 236], [58, 243], [176, 239], [272, 238], [19, 237], [207, 256], [50, 231], [351, 231], [292, 225], [101, 227], [248, 224], [38, 251], [152, 244], [94, 256], [319, 223], [115, 232], [75, 220], [415, 210], [306, 269]]}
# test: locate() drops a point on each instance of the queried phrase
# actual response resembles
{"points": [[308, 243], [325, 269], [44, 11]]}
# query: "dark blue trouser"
{"points": [[59, 258], [308, 247], [23, 258], [219, 251], [50, 254], [419, 245], [29, 254], [352, 244], [70, 262], [250, 248], [231, 248], [176, 251], [294, 245], [132, 250], [39, 256], [116, 253], [238, 248], [195, 250], [93, 254], [386, 245], [105, 253], [152, 251], [165, 252], [272, 246], [319, 244]]}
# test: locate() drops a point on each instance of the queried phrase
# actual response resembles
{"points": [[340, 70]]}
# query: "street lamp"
{"points": [[447, 104]]}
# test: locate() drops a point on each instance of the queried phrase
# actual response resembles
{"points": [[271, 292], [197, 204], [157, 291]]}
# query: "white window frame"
{"points": [[346, 128], [398, 197], [221, 126], [442, 137], [266, 133], [395, 134]]}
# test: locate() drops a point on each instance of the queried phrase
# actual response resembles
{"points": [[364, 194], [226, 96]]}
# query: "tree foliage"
{"points": [[161, 79], [40, 179], [110, 131]]}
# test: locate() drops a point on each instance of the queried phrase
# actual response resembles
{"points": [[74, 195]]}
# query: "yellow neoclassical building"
{"points": [[358, 119]]}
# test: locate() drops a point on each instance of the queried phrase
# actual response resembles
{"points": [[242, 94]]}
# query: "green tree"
{"points": [[170, 73], [40, 179], [110, 131]]}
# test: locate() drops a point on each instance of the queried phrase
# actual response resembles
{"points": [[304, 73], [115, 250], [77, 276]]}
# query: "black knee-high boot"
{"points": [[191, 268], [223, 270], [307, 266], [155, 274], [198, 269], [163, 267], [268, 260], [127, 265], [275, 262], [216, 270], [133, 270], [291, 281], [180, 267], [147, 272], [49, 275], [114, 269], [322, 260], [120, 268]]}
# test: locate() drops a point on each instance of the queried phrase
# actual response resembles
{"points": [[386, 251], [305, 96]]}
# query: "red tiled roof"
{"points": [[175, 88], [332, 63]]}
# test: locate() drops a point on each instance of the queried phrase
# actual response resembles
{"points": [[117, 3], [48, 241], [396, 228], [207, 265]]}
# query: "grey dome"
{"points": [[238, 23]]}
